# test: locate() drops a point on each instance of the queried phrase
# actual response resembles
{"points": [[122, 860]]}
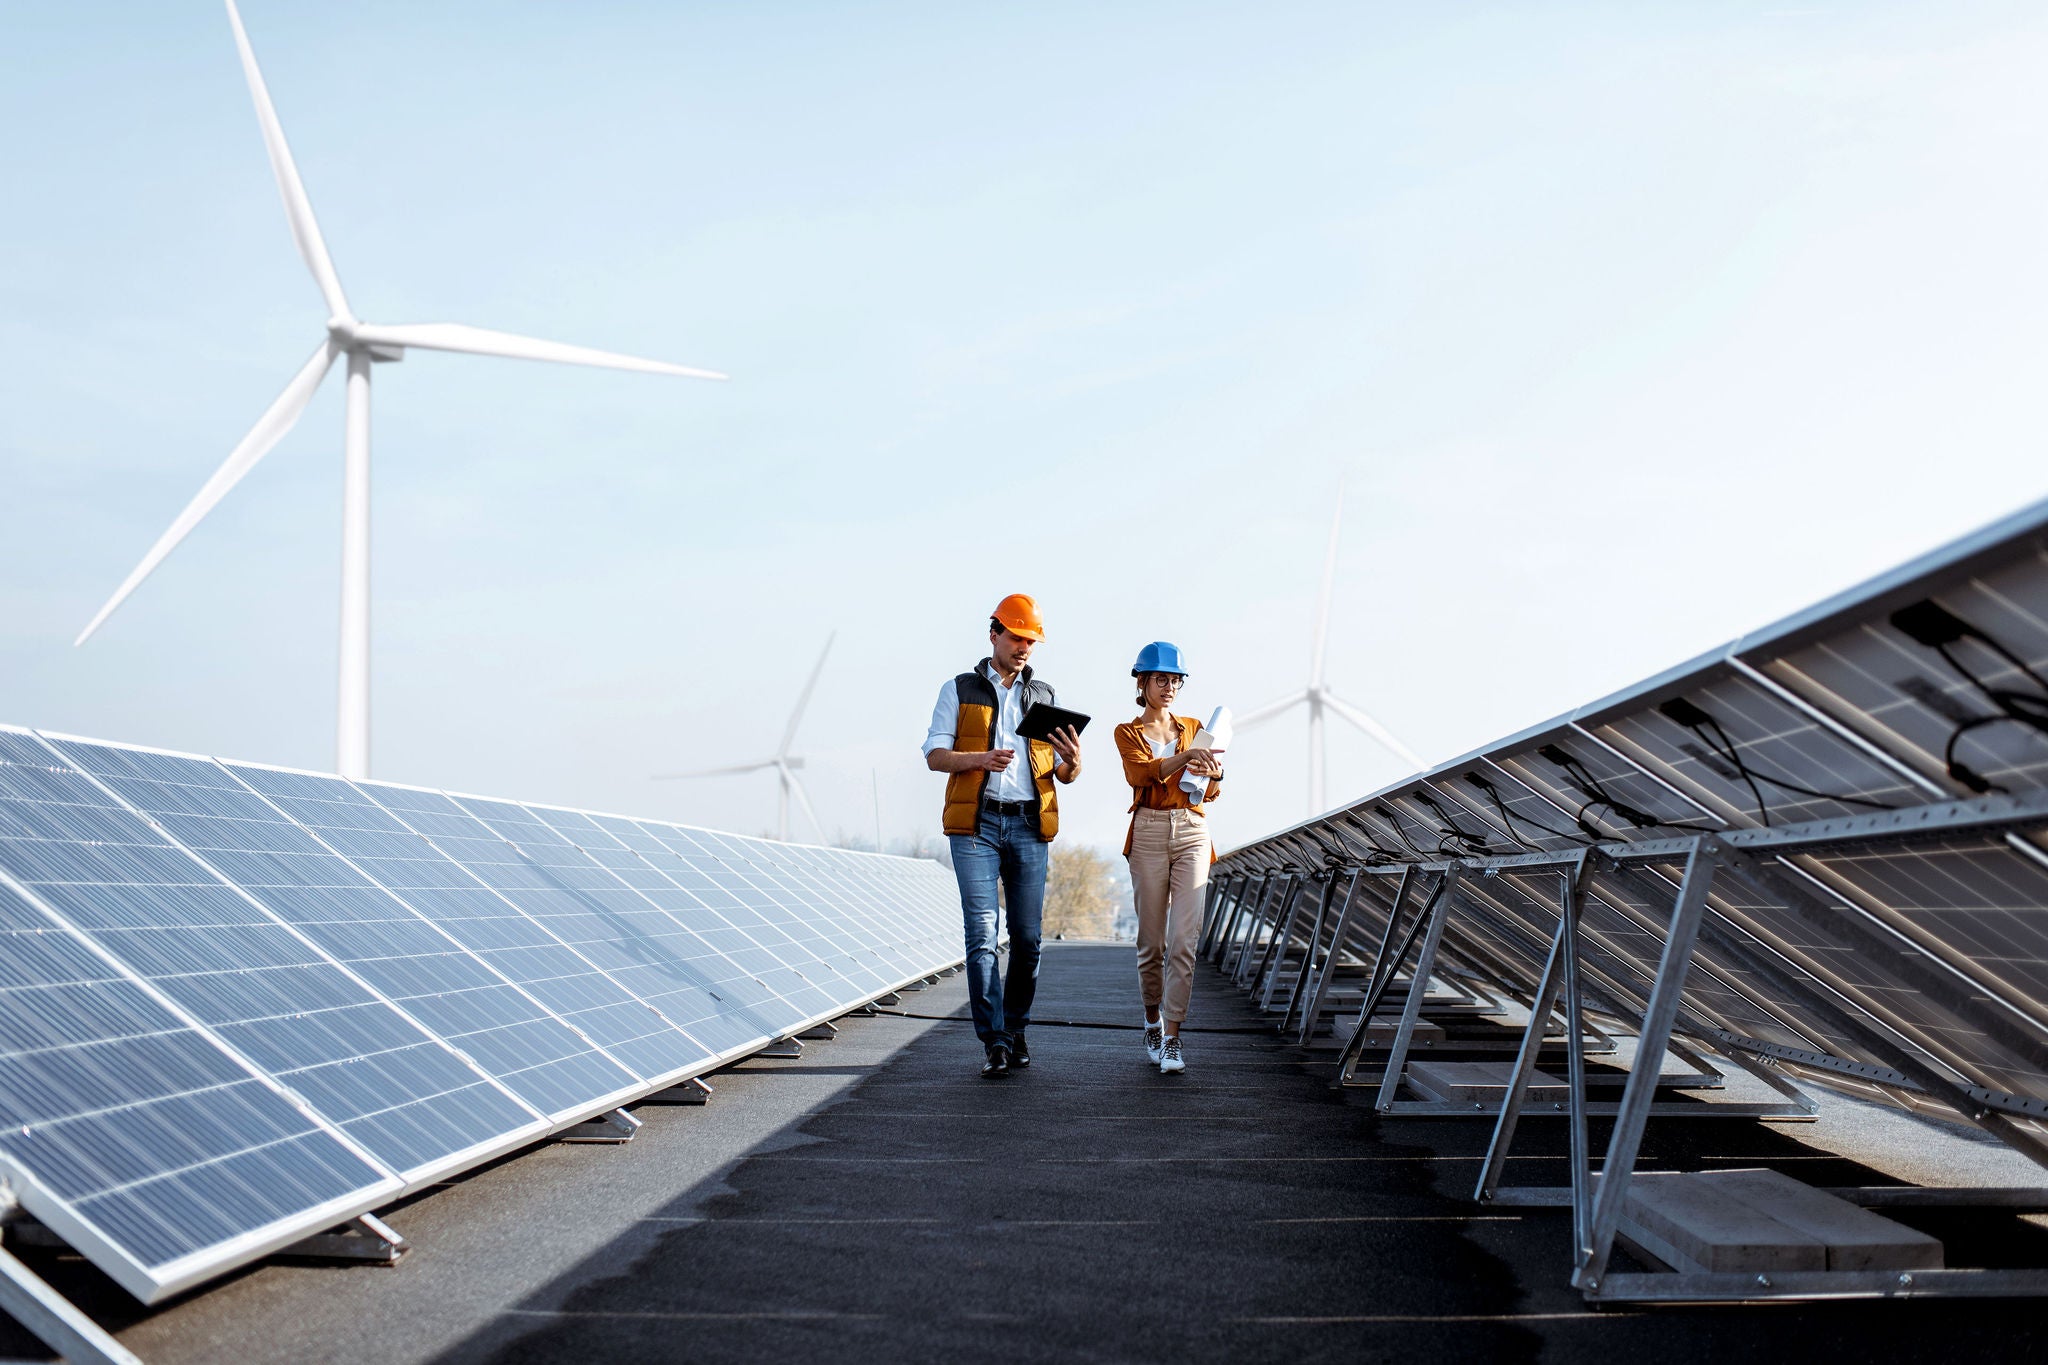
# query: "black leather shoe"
{"points": [[997, 1063], [1020, 1055]]}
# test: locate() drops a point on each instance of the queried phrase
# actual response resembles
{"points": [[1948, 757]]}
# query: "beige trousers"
{"points": [[1169, 877]]}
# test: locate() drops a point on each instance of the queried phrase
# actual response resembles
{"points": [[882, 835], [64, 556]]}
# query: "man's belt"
{"points": [[1008, 807]]}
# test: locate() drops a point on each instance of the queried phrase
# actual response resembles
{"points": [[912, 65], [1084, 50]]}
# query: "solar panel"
{"points": [[879, 936], [562, 985], [240, 1004], [144, 1141], [553, 943], [780, 959], [674, 970], [1737, 749], [1953, 672], [375, 937], [400, 950], [259, 985], [756, 974], [844, 945], [1821, 849], [1854, 757]]}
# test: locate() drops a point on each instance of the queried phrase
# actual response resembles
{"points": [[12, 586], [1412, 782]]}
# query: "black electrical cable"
{"points": [[1453, 831], [2018, 707], [1384, 854], [1696, 719], [1509, 818], [1592, 785], [1928, 623], [1394, 819], [1750, 774]]}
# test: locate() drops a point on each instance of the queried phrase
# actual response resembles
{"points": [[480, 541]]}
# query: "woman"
{"points": [[1168, 846]]}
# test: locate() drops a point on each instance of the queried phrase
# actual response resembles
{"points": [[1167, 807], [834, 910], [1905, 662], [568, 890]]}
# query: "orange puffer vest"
{"points": [[977, 722]]}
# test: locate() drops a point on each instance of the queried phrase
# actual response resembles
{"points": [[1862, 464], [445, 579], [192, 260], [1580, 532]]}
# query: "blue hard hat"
{"points": [[1159, 657]]}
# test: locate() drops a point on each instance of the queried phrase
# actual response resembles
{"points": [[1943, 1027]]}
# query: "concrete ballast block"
{"points": [[1481, 1081], [1756, 1221]]}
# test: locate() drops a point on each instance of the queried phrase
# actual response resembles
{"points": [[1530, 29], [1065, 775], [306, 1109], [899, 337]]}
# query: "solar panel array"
{"points": [[240, 1004], [1877, 770]]}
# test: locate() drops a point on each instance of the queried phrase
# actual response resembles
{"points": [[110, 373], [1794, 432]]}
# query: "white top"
{"points": [[1196, 787], [1014, 782]]}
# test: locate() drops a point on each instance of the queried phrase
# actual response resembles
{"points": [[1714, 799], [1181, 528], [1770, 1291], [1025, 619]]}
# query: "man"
{"points": [[1000, 815]]}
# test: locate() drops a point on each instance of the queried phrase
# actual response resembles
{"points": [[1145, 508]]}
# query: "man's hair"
{"points": [[996, 627]]}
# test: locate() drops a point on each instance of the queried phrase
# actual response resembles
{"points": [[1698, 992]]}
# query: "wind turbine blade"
{"points": [[734, 770], [268, 431], [298, 210], [796, 717], [803, 799], [1375, 729], [456, 336], [1270, 710], [1315, 668]]}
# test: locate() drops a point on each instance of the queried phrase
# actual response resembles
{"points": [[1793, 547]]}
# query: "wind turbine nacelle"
{"points": [[793, 762], [346, 334]]}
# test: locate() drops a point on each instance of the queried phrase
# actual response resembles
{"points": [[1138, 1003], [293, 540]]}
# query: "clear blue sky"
{"points": [[1627, 326]]}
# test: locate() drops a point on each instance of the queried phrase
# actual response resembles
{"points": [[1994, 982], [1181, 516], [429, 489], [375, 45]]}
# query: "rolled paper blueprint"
{"points": [[1215, 737]]}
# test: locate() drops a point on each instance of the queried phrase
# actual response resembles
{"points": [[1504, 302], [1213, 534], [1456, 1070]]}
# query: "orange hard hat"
{"points": [[1019, 614]]}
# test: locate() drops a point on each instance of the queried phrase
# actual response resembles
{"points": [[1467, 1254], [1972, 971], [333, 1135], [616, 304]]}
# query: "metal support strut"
{"points": [[696, 1090], [615, 1126], [1594, 1241], [50, 1317], [366, 1240]]}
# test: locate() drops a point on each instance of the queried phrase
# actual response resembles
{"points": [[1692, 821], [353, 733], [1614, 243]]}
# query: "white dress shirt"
{"points": [[1013, 783]]}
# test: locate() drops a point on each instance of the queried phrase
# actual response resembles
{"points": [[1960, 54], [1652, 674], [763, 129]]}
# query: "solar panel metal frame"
{"points": [[1858, 796], [1697, 800]]}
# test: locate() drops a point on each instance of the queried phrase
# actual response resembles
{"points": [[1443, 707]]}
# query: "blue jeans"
{"points": [[1005, 848]]}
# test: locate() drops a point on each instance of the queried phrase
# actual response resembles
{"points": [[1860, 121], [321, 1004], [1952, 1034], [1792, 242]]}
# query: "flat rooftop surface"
{"points": [[876, 1199]]}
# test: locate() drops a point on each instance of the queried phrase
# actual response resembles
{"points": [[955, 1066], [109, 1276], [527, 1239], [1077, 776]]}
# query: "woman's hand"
{"points": [[1204, 763]]}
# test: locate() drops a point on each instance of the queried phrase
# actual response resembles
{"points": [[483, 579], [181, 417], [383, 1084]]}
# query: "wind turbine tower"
{"points": [[1317, 695], [362, 344], [785, 763]]}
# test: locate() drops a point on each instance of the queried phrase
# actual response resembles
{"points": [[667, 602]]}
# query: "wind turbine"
{"points": [[785, 763], [363, 344], [1318, 695]]}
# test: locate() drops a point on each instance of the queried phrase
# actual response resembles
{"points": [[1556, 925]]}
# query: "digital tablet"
{"points": [[1041, 720]]}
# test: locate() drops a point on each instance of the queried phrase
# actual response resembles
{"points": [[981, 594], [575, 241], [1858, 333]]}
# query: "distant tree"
{"points": [[1080, 892], [936, 847]]}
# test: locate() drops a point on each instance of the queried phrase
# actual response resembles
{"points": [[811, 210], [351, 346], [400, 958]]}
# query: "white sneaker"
{"points": [[1169, 1057], [1155, 1040]]}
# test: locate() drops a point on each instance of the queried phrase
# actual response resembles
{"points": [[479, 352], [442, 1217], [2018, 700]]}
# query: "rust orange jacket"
{"points": [[1150, 791]]}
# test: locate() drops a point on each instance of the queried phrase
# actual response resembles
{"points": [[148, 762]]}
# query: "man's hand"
{"points": [[1066, 743], [981, 761]]}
